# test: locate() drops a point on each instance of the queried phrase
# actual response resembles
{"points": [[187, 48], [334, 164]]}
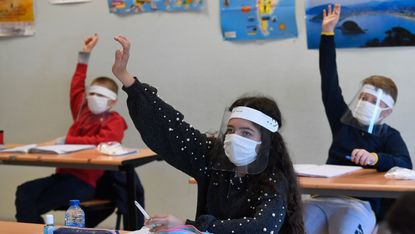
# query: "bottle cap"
{"points": [[49, 219], [74, 202]]}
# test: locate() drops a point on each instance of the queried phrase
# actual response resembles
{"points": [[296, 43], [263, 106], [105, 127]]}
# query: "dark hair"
{"points": [[400, 217], [279, 161], [106, 82]]}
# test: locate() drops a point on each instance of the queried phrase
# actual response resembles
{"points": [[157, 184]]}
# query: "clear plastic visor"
{"points": [[368, 109]]}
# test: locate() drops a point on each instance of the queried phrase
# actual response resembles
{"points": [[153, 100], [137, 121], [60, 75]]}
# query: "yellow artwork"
{"points": [[16, 18], [16, 11]]}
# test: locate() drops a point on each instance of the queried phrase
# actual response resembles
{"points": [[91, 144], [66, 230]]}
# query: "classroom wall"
{"points": [[185, 57]]}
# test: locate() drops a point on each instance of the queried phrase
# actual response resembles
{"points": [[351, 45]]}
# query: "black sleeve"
{"points": [[333, 100], [268, 218], [393, 153], [163, 129]]}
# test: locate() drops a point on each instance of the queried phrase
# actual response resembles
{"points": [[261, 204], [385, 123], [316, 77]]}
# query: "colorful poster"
{"points": [[16, 18], [365, 23], [67, 1], [258, 19], [138, 6]]}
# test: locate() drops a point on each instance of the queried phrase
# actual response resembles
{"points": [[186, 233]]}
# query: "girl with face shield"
{"points": [[246, 182]]}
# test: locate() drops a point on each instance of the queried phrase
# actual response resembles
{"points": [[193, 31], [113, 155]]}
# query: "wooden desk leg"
{"points": [[132, 223]]}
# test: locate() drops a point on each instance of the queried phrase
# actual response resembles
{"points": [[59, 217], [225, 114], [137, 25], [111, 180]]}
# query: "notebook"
{"points": [[324, 170], [49, 149]]}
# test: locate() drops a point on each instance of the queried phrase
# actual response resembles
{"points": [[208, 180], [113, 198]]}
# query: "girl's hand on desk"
{"points": [[159, 222], [119, 68]]}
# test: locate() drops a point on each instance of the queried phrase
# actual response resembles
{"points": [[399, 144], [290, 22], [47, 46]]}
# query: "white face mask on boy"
{"points": [[97, 104], [365, 111], [241, 151]]}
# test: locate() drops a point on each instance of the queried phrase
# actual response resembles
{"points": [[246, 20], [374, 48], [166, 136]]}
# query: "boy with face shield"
{"points": [[93, 123], [359, 138], [246, 181]]}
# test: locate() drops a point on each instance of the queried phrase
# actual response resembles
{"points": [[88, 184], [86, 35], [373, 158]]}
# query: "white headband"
{"points": [[370, 89], [103, 91], [255, 116]]}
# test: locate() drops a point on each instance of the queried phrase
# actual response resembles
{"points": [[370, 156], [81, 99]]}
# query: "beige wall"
{"points": [[195, 70]]}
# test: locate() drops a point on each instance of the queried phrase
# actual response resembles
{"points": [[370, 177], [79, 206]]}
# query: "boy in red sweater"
{"points": [[93, 123]]}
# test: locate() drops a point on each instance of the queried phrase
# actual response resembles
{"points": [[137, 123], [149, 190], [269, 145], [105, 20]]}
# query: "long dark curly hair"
{"points": [[279, 161]]}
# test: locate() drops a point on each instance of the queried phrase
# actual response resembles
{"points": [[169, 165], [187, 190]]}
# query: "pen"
{"points": [[142, 210]]}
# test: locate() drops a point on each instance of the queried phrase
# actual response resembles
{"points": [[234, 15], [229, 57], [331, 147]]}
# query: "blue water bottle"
{"points": [[74, 216]]}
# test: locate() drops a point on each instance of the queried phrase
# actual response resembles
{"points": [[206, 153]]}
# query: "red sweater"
{"points": [[89, 128]]}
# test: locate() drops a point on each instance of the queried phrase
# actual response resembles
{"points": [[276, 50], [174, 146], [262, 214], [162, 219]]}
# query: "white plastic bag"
{"points": [[400, 173], [114, 148]]}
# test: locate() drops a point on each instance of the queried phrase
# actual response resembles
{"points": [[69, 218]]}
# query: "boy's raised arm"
{"points": [[330, 18]]}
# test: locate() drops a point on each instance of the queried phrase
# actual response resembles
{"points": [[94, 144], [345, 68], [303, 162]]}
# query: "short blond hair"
{"points": [[106, 82], [384, 83]]}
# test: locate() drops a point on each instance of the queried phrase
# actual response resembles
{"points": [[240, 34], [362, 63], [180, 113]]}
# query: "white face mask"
{"points": [[96, 104], [241, 151], [365, 111]]}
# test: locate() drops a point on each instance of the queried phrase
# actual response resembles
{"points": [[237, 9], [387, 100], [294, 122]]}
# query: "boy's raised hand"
{"points": [[330, 18], [119, 68], [90, 42]]}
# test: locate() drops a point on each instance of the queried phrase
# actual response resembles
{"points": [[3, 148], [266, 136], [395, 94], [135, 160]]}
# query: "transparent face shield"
{"points": [[368, 109], [243, 143]]}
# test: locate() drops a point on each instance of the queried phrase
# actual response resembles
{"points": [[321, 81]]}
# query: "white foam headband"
{"points": [[370, 89], [255, 116], [103, 91]]}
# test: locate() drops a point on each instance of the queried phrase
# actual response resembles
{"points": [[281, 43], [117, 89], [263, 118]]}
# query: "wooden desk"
{"points": [[361, 183], [24, 228], [91, 159]]}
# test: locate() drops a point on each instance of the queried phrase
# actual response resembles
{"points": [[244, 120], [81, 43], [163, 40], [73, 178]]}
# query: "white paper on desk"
{"points": [[60, 149], [19, 149], [143, 230], [324, 170]]}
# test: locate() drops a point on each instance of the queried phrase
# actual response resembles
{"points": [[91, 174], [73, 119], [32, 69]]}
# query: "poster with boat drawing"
{"points": [[258, 19], [123, 7], [365, 23]]}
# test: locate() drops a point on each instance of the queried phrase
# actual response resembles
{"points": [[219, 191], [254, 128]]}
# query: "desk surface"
{"points": [[365, 182], [7, 227], [361, 183], [86, 158]]}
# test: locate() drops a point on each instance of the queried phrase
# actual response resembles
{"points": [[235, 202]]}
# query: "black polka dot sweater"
{"points": [[226, 203]]}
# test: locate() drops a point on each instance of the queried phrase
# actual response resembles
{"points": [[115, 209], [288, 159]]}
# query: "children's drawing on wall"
{"points": [[16, 18], [365, 23], [258, 19], [67, 1], [138, 6]]}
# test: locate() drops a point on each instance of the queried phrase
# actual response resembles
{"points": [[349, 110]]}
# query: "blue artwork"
{"points": [[258, 19], [365, 23], [138, 6]]}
